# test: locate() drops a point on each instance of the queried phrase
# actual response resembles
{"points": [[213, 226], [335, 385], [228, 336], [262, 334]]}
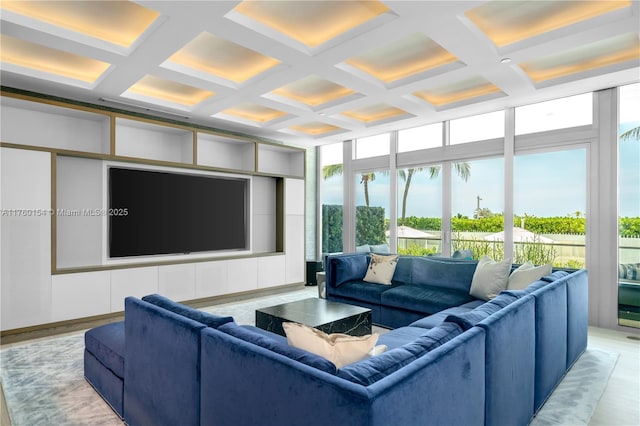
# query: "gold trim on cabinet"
{"points": [[54, 207]]}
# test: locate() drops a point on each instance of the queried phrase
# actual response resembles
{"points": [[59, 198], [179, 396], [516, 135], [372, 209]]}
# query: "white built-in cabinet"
{"points": [[54, 156]]}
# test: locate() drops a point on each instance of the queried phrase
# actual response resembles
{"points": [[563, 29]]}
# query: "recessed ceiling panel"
{"points": [[374, 113], [612, 51], [507, 22], [222, 58], [311, 23], [458, 92], [409, 56], [315, 128], [313, 91], [254, 112], [52, 61], [117, 22], [170, 91]]}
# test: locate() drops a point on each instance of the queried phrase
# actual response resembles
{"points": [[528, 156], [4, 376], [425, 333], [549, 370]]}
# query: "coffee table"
{"points": [[325, 315]]}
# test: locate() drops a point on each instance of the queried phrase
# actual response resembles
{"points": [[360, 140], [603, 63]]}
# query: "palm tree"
{"points": [[336, 170], [463, 170], [633, 133]]}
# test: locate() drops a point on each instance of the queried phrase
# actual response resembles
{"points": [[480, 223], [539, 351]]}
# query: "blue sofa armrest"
{"points": [[162, 366], [510, 363], [280, 391], [577, 314]]}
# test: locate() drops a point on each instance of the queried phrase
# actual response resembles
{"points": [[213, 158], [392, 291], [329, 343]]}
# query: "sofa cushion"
{"points": [[490, 278], [278, 345], [439, 317], [526, 274], [210, 320], [106, 344], [381, 268], [376, 368], [400, 336], [379, 248], [348, 268], [423, 298], [341, 349], [361, 291]]}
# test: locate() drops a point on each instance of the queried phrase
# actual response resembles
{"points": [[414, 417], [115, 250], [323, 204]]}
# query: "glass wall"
{"points": [[419, 210], [477, 128], [372, 146], [556, 114], [549, 205], [372, 210], [477, 206], [629, 207], [420, 138], [331, 197]]}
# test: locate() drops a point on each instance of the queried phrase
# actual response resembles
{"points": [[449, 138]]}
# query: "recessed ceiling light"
{"points": [[505, 60]]}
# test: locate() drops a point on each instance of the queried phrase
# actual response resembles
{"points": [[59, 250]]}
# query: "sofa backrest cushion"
{"points": [[205, 318], [279, 346], [467, 320], [454, 274], [348, 268], [372, 369], [554, 276]]}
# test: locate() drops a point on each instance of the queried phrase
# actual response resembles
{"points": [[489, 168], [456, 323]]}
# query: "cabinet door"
{"points": [[25, 237], [137, 282], [243, 275], [177, 282], [80, 295], [271, 271]]}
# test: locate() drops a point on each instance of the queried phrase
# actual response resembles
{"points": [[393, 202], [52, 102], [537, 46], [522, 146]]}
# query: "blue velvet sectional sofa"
{"points": [[478, 363]]}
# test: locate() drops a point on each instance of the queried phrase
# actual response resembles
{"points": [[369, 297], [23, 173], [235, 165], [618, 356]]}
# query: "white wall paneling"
{"points": [[243, 274], [31, 296], [212, 279], [177, 282], [37, 124], [25, 235], [153, 142], [271, 271], [79, 236], [80, 295], [227, 153], [294, 248], [137, 282]]}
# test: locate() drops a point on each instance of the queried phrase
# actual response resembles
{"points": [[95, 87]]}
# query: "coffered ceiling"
{"points": [[314, 72]]}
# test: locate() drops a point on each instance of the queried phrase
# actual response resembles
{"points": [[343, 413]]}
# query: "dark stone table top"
{"points": [[328, 316]]}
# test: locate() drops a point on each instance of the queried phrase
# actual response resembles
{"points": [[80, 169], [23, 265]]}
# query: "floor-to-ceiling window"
{"points": [[629, 206], [477, 208], [419, 193], [549, 205], [550, 181], [371, 194], [331, 197]]}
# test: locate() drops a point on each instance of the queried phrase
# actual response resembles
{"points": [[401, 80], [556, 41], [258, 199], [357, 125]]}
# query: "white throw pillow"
{"points": [[341, 349], [525, 274], [490, 278], [381, 269]]}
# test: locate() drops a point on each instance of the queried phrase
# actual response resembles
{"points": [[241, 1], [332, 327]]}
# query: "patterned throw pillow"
{"points": [[381, 269]]}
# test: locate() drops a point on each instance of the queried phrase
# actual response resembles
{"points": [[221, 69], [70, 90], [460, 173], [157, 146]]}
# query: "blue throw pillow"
{"points": [[349, 268], [372, 369], [205, 318], [278, 346]]}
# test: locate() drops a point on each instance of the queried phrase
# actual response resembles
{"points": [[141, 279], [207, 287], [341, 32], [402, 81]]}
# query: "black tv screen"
{"points": [[155, 212]]}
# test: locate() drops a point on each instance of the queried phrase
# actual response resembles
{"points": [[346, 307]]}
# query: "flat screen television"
{"points": [[158, 213]]}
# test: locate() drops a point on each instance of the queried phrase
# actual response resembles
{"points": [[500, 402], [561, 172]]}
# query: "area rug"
{"points": [[44, 385], [575, 399]]}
